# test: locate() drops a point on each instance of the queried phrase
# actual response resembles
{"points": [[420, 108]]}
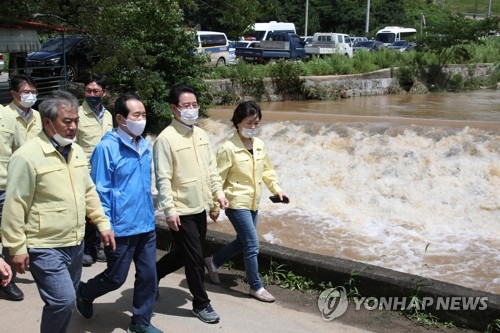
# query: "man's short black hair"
{"points": [[121, 103], [179, 89], [16, 81]]}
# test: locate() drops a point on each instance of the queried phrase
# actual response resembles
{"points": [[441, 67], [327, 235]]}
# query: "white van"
{"points": [[260, 31], [389, 35], [325, 43], [214, 44]]}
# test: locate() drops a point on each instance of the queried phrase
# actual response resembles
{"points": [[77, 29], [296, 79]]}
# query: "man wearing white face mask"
{"points": [[49, 192], [26, 125], [186, 179], [121, 169], [24, 96]]}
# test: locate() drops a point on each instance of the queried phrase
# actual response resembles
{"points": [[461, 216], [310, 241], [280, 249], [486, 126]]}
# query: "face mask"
{"points": [[248, 132], [27, 100], [136, 127], [62, 141], [189, 116], [93, 101]]}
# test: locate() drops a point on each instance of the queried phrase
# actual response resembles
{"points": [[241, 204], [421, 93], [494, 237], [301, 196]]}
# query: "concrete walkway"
{"points": [[239, 313]]}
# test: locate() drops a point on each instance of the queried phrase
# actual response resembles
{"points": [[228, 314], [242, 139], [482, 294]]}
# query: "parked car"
{"points": [[368, 45], [358, 39], [49, 61], [402, 46], [1, 62]]}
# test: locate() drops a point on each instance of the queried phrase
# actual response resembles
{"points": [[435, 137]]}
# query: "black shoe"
{"points": [[84, 307], [101, 256], [87, 260], [13, 292]]}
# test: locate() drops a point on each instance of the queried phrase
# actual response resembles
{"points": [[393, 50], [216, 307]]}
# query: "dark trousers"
{"points": [[141, 249], [188, 252], [91, 239]]}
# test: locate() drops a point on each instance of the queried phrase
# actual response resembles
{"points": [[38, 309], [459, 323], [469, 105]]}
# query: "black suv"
{"points": [[49, 60]]}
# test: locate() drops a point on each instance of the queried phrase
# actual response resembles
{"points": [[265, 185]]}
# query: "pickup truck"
{"points": [[326, 43], [279, 45]]}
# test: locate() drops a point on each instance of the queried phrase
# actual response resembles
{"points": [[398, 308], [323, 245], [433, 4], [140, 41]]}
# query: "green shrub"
{"points": [[286, 77]]}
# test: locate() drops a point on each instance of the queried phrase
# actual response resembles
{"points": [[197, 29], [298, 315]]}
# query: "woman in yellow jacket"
{"points": [[243, 164]]}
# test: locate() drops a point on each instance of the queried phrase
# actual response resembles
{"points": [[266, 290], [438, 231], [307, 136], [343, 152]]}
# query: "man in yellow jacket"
{"points": [[187, 179], [10, 140], [49, 192], [24, 96], [94, 122]]}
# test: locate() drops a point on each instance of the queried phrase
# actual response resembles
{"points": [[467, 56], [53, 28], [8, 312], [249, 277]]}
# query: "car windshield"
{"points": [[56, 44], [386, 37]]}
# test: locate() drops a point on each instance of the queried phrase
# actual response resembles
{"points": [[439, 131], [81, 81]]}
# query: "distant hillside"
{"points": [[471, 7]]}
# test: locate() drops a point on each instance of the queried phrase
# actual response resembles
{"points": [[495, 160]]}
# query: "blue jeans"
{"points": [[141, 249], [244, 222], [57, 272]]}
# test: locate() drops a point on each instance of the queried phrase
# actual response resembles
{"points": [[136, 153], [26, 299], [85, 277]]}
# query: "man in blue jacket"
{"points": [[121, 169]]}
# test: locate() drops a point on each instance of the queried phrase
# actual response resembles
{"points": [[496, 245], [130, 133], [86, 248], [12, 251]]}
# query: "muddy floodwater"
{"points": [[410, 183]]}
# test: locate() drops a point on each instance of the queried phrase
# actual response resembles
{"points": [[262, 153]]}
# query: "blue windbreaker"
{"points": [[123, 181]]}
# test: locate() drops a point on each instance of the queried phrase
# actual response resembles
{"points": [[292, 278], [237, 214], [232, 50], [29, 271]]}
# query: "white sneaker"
{"points": [[262, 295], [214, 276]]}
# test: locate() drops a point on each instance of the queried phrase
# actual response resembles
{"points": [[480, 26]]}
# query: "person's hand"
{"points": [[20, 262], [174, 222], [283, 194], [223, 202], [108, 239], [214, 215], [5, 273]]}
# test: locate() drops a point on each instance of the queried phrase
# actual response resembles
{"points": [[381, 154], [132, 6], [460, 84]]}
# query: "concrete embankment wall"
{"points": [[367, 84], [369, 280]]}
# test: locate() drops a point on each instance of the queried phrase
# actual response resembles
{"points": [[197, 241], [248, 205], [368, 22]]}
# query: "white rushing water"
{"points": [[420, 200]]}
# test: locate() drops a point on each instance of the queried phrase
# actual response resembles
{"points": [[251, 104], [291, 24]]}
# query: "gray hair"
{"points": [[50, 106]]}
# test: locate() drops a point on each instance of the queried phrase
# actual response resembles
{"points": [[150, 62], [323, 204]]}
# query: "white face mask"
{"points": [[248, 132], [189, 116], [136, 127], [62, 141], [27, 100]]}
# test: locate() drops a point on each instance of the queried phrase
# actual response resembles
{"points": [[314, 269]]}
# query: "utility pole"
{"points": [[367, 27], [307, 16], [489, 9]]}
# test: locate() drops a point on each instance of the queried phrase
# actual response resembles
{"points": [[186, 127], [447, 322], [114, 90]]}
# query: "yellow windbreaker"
{"points": [[242, 173], [47, 198], [186, 170], [90, 130]]}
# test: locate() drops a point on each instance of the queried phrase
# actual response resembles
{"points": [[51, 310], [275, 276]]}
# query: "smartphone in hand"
{"points": [[276, 199]]}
